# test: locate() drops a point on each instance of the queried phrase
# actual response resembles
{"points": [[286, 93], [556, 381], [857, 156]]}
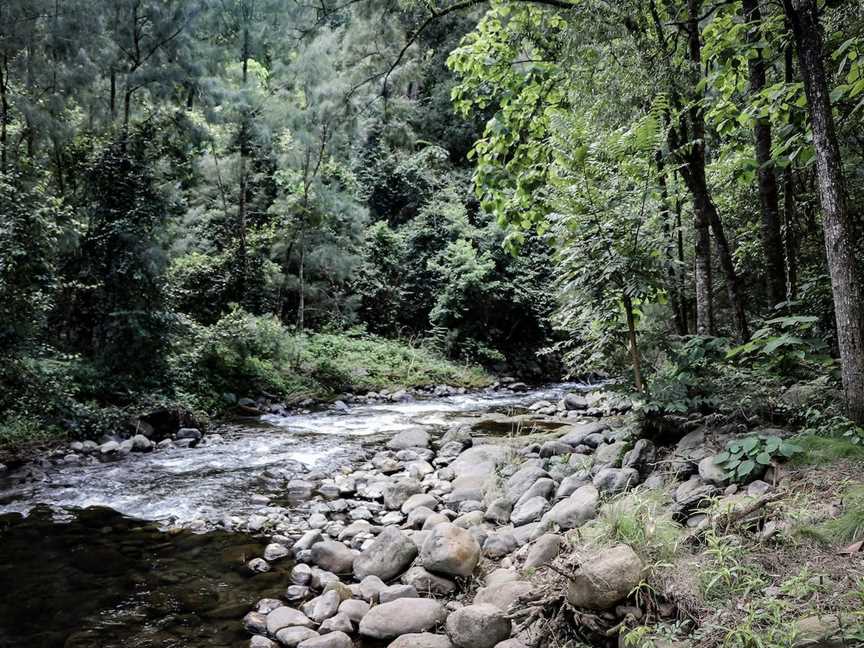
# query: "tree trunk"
{"points": [[4, 115], [301, 275], [244, 154], [790, 245], [768, 195], [634, 347], [703, 274], [697, 183], [837, 223], [113, 96], [675, 297]]}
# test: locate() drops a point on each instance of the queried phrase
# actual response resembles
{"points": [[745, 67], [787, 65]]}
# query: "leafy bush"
{"points": [[784, 345], [744, 458]]}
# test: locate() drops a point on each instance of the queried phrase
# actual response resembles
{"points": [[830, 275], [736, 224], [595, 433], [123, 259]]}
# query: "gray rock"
{"points": [[712, 473], [326, 606], [554, 448], [543, 487], [417, 501], [422, 640], [522, 480], [417, 518], [499, 511], [275, 551], [267, 605], [758, 488], [504, 596], [402, 616], [571, 484], [543, 550], [337, 623], [333, 556], [390, 554], [414, 438], [529, 510], [518, 643], [615, 480], [575, 402], [258, 565], [296, 593], [451, 551], [498, 545], [396, 493], [354, 609], [642, 457], [577, 509], [188, 433], [370, 587], [578, 432], [293, 637], [286, 617], [260, 642], [329, 640], [394, 592], [478, 626], [603, 581], [428, 583], [255, 622], [306, 541], [610, 454]]}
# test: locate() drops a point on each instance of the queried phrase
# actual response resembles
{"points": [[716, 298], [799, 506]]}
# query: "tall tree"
{"points": [[839, 230]]}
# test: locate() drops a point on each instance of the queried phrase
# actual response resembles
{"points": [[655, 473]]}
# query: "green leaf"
{"points": [[749, 444], [720, 458], [790, 449], [763, 458], [746, 468]]}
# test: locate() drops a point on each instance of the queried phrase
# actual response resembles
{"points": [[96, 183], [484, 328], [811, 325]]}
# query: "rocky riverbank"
{"points": [[480, 541]]}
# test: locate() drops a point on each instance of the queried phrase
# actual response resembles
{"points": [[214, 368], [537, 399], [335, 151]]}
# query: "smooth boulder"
{"points": [[450, 550], [606, 579], [402, 616], [478, 626], [390, 554]]}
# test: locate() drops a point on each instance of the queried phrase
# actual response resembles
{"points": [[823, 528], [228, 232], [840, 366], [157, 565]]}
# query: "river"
{"points": [[96, 554]]}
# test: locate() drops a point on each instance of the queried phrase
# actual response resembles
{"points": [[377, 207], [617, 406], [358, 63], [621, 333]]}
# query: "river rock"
{"points": [[504, 596], [402, 616], [329, 640], [337, 623], [610, 454], [293, 637], [275, 551], [422, 640], [394, 592], [396, 493], [325, 606], [413, 438], [642, 457], [572, 483], [390, 554], [529, 510], [522, 480], [543, 487], [258, 566], [615, 480], [497, 545], [333, 556], [428, 583], [712, 473], [417, 518], [499, 511], [255, 622], [577, 509], [577, 433], [554, 448], [606, 579], [370, 587], [259, 641], [543, 550], [417, 500], [451, 551], [478, 626], [354, 609], [285, 617]]}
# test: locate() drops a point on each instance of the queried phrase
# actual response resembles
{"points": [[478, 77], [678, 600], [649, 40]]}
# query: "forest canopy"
{"points": [[664, 192]]}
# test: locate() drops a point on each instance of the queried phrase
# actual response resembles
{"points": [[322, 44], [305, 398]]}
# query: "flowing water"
{"points": [[84, 559]]}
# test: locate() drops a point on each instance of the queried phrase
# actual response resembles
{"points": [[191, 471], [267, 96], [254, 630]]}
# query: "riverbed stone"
{"points": [[275, 551], [543, 487], [577, 509], [396, 493], [499, 511], [390, 554], [402, 616], [520, 481], [413, 438], [417, 500], [354, 609], [394, 592], [339, 622], [294, 636], [529, 510], [478, 626], [370, 586], [259, 641], [605, 579], [329, 640], [285, 617], [610, 454], [451, 551], [255, 622], [572, 483], [428, 583], [554, 448], [258, 566], [333, 556], [497, 545], [422, 640], [612, 481], [712, 473], [543, 550], [504, 596]]}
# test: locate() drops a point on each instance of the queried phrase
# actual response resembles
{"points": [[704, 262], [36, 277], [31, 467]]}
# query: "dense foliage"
{"points": [[664, 190]]}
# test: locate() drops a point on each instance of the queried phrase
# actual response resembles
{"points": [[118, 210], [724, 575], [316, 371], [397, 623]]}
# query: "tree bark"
{"points": [[790, 244], [697, 183], [675, 296], [837, 223], [772, 244], [4, 115], [244, 154], [634, 347]]}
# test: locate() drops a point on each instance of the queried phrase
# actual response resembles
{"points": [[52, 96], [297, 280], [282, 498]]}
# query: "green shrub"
{"points": [[744, 458]]}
